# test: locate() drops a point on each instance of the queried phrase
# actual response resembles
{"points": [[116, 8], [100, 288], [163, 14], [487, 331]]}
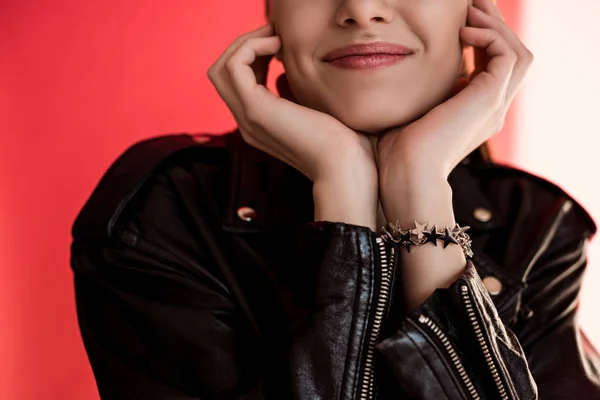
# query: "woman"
{"points": [[251, 266]]}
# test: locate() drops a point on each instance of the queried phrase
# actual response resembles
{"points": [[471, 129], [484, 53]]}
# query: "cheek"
{"points": [[298, 44], [443, 50], [299, 55], [437, 23], [300, 39]]}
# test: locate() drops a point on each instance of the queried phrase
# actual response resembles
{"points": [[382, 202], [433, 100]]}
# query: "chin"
{"points": [[373, 118]]}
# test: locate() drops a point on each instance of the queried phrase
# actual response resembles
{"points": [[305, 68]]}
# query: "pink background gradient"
{"points": [[82, 80]]}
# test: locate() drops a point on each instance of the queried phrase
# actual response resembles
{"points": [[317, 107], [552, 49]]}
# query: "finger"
{"points": [[263, 31], [239, 66], [257, 102], [489, 7], [481, 19], [501, 63], [223, 81], [221, 78], [480, 58]]}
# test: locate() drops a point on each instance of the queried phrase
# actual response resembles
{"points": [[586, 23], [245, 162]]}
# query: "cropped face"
{"points": [[410, 64]]}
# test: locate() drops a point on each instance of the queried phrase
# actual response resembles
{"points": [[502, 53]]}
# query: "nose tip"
{"points": [[360, 22], [362, 13]]}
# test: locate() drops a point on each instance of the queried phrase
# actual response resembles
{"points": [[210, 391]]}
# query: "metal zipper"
{"points": [[464, 289], [368, 383], [367, 388], [423, 319]]}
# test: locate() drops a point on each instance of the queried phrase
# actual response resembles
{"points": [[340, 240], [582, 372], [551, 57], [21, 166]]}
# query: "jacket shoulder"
{"points": [[541, 187], [132, 170]]}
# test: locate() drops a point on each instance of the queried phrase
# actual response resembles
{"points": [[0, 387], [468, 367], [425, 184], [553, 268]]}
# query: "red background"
{"points": [[79, 82]]}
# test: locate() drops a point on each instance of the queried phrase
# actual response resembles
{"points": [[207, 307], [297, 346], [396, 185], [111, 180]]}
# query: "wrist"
{"points": [[349, 198], [340, 160], [413, 174], [418, 198]]}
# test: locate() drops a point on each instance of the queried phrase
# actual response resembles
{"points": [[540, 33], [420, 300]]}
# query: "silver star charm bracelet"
{"points": [[420, 235]]}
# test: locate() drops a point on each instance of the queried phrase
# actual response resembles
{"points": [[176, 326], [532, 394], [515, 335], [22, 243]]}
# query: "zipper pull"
{"points": [[525, 312]]}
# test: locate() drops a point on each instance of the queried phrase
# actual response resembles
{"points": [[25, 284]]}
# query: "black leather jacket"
{"points": [[180, 298]]}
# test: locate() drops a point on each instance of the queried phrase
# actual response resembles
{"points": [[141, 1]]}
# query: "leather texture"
{"points": [[178, 298]]}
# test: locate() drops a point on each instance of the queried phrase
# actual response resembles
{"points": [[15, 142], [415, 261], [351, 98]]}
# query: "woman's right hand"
{"points": [[313, 142], [336, 159]]}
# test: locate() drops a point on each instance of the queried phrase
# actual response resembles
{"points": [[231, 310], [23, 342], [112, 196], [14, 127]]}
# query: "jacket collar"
{"points": [[281, 196]]}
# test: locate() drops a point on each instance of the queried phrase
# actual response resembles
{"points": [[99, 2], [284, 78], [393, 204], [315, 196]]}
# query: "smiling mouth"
{"points": [[365, 49], [368, 55], [368, 61]]}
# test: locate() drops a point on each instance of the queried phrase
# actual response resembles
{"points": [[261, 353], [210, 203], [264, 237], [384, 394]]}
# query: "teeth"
{"points": [[452, 353], [482, 343], [367, 389]]}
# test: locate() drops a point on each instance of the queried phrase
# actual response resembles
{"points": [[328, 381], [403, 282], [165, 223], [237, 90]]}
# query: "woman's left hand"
{"points": [[434, 144]]}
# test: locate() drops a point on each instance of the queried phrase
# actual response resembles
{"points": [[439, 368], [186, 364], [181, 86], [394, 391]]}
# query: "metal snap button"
{"points": [[482, 214], [202, 139], [246, 213], [493, 285]]}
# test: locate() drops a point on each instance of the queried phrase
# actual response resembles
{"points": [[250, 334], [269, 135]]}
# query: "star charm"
{"points": [[448, 237], [419, 228], [457, 230], [390, 232], [432, 235], [406, 239]]}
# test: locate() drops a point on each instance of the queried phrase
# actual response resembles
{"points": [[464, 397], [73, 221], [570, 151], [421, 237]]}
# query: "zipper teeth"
{"points": [[482, 343], [367, 389], [453, 355]]}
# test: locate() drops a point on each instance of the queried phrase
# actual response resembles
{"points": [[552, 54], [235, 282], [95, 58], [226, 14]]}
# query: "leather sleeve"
{"points": [[455, 346], [145, 323], [159, 319], [331, 343]]}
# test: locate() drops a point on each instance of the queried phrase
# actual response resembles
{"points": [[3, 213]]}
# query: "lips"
{"points": [[368, 49]]}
